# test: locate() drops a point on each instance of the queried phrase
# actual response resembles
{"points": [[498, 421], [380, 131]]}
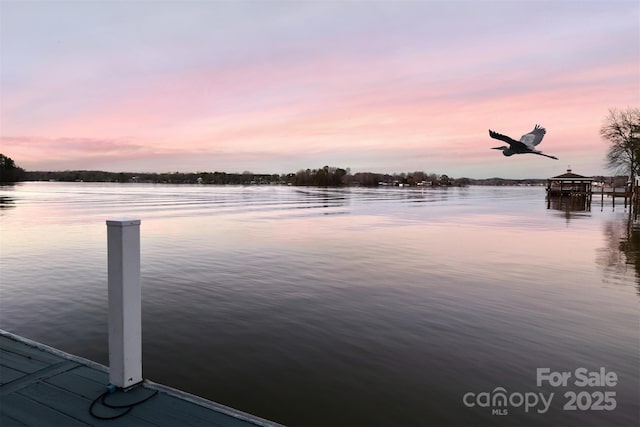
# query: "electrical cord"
{"points": [[128, 407]]}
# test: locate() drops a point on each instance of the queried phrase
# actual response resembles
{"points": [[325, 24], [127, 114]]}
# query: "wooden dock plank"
{"points": [[77, 384], [101, 377], [8, 374], [6, 421], [44, 386], [20, 362], [76, 406], [31, 413], [38, 375], [162, 409], [21, 349]]}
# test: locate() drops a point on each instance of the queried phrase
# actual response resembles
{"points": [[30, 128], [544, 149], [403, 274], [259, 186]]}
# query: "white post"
{"points": [[125, 313]]}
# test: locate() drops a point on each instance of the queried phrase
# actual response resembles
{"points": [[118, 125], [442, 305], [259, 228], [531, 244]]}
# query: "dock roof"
{"points": [[570, 176]]}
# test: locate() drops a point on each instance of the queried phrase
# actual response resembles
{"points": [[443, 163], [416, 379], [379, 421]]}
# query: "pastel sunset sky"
{"points": [[278, 86]]}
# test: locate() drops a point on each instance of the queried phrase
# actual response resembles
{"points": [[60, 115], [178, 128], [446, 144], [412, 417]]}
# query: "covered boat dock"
{"points": [[569, 184]]}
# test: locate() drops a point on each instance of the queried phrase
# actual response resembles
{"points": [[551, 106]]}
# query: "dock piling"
{"points": [[125, 313]]}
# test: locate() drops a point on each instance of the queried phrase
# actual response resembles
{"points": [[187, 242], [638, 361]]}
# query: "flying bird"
{"points": [[527, 143]]}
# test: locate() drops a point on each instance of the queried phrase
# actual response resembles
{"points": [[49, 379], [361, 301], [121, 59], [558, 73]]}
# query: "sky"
{"points": [[279, 86]]}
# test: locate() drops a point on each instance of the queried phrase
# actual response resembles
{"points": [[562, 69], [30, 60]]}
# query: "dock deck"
{"points": [[42, 386]]}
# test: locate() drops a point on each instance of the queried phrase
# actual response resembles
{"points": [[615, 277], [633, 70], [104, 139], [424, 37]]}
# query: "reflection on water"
{"points": [[355, 306], [631, 249], [622, 252], [6, 202], [621, 232], [573, 207]]}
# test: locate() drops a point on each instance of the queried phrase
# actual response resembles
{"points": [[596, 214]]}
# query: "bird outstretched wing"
{"points": [[534, 137], [512, 142]]}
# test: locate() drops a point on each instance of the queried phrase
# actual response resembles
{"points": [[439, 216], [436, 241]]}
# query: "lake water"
{"points": [[355, 306]]}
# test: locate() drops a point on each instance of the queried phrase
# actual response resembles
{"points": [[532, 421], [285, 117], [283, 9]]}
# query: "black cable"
{"points": [[128, 406], [100, 417]]}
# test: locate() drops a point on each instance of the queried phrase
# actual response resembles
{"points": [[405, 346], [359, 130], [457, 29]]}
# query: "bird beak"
{"points": [[497, 148]]}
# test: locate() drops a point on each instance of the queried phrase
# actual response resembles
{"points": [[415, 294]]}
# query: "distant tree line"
{"points": [[221, 178], [9, 171], [323, 177], [327, 176]]}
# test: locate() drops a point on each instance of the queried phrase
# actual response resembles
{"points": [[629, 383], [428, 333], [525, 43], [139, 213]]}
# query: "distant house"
{"points": [[569, 184]]}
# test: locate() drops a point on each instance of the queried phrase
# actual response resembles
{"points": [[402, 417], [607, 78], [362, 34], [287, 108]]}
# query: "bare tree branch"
{"points": [[620, 129]]}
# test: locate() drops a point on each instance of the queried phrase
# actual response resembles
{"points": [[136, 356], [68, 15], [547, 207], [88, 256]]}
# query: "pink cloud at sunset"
{"points": [[373, 86]]}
